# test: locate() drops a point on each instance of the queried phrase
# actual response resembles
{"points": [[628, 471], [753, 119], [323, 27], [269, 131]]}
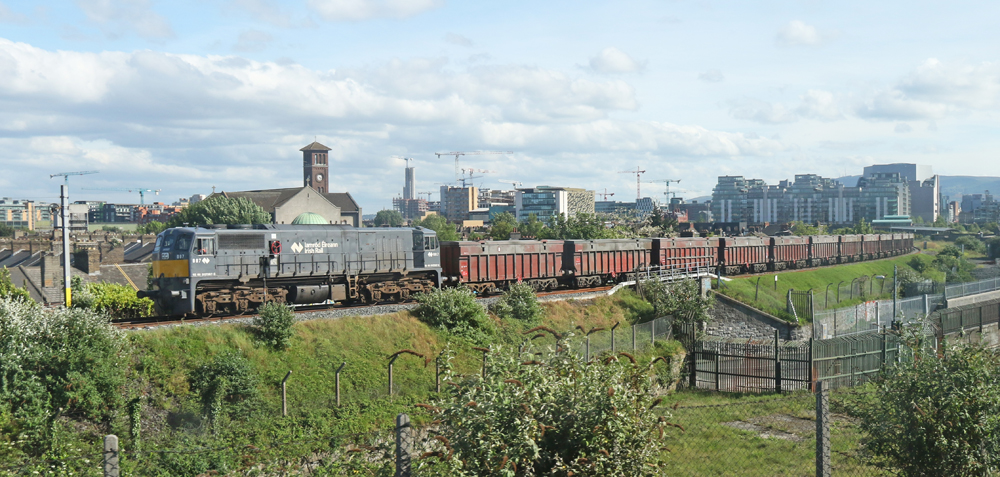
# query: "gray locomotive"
{"points": [[237, 268]]}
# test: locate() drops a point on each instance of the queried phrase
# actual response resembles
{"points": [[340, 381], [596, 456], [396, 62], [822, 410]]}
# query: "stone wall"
{"points": [[972, 299], [732, 319]]}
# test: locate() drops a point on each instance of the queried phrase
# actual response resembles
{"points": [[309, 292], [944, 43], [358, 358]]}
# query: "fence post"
{"points": [[613, 336], [882, 337], [715, 358], [284, 395], [586, 354], [694, 367], [390, 374], [437, 374], [812, 368], [341, 368], [822, 431], [652, 332], [111, 456], [777, 362], [633, 337], [404, 445]]}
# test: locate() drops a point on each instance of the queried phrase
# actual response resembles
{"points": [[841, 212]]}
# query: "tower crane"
{"points": [[516, 184], [428, 195], [638, 173], [667, 183], [66, 175], [458, 173], [141, 190], [605, 194]]}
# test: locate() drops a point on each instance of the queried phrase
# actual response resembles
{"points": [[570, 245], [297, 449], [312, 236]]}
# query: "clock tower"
{"points": [[315, 167]]}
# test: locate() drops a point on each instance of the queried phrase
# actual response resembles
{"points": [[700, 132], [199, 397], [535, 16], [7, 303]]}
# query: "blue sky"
{"points": [[183, 96]]}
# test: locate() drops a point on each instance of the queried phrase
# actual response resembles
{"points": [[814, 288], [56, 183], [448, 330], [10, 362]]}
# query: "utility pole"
{"points": [[895, 290], [64, 201], [638, 174]]}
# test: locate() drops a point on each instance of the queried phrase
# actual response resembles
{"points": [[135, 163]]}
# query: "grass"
{"points": [[754, 435], [774, 301]]}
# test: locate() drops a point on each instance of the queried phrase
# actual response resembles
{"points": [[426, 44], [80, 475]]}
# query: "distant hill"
{"points": [[951, 186]]}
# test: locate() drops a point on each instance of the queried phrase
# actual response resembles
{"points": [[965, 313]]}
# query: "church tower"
{"points": [[315, 167]]}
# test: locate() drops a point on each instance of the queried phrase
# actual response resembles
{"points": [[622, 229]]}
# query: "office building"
{"points": [[456, 202], [545, 202], [924, 188], [19, 213]]}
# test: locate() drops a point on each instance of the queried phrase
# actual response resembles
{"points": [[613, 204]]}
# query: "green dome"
{"points": [[309, 218]]}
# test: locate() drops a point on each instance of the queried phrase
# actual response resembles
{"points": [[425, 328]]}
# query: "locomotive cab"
{"points": [[171, 287], [426, 248]]}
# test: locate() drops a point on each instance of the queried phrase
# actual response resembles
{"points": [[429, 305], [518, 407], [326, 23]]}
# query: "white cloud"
{"points": [[902, 128], [814, 104], [115, 17], [797, 33], [817, 104], [252, 41], [170, 112], [711, 76], [613, 60], [357, 10], [456, 39], [7, 16]]}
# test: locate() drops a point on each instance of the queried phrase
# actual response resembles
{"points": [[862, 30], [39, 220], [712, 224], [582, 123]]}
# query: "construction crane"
{"points": [[458, 171], [667, 183], [605, 194], [407, 159], [67, 174], [141, 190], [428, 195], [516, 184], [638, 173]]}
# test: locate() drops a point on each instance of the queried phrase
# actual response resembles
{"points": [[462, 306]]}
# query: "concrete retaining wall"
{"points": [[971, 299], [732, 319]]}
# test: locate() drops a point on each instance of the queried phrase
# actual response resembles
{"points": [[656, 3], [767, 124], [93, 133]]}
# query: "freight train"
{"points": [[236, 268]]}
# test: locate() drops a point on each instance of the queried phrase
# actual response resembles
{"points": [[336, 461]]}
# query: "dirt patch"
{"points": [[777, 426]]}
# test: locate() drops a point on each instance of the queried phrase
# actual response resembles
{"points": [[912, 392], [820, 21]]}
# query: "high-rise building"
{"points": [[19, 213], [545, 201], [923, 184], [456, 202], [409, 186]]}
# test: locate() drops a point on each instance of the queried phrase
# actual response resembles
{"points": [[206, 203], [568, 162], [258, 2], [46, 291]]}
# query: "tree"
{"points": [[6, 230], [656, 217], [534, 228], [391, 218], [971, 244], [439, 224], [863, 227], [553, 415], [682, 300], [221, 210], [578, 226], [153, 228], [941, 221], [503, 224], [518, 303], [994, 247], [801, 228], [935, 416]]}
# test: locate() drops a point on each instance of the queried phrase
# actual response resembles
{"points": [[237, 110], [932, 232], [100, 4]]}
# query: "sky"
{"points": [[186, 96]]}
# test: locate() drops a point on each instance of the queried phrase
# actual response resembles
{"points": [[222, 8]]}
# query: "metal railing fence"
{"points": [[971, 288]]}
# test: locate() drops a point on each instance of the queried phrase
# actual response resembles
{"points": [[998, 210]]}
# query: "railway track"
{"points": [[156, 321]]}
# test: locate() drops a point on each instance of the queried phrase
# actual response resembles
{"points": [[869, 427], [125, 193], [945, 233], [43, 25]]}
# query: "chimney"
{"points": [[51, 270]]}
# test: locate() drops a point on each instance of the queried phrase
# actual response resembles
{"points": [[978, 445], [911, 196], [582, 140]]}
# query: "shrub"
{"points": [[455, 310], [519, 303], [972, 244], [917, 264], [561, 416], [228, 379], [67, 358], [682, 300], [273, 325], [936, 416], [10, 291], [117, 301]]}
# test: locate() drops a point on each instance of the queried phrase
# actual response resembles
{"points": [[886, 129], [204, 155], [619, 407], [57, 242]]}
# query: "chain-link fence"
{"points": [[761, 436], [872, 315], [971, 288]]}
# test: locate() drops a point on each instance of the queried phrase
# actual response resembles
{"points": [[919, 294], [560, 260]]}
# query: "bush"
{"points": [[917, 264], [519, 303], [936, 416], [562, 416], [273, 325], [456, 310], [228, 379], [972, 244], [116, 301], [10, 291], [67, 359], [682, 300]]}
